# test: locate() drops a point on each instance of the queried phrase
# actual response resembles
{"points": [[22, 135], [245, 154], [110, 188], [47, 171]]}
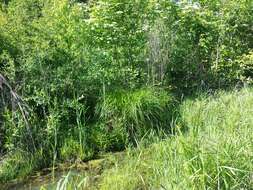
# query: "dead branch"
{"points": [[19, 102]]}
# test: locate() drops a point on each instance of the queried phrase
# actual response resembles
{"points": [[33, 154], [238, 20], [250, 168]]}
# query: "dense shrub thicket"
{"points": [[97, 75]]}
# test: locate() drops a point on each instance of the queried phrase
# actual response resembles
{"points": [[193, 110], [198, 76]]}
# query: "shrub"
{"points": [[246, 68], [238, 71]]}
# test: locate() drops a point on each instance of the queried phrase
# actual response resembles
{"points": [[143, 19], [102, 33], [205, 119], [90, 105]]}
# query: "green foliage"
{"points": [[7, 65], [15, 133], [216, 153], [72, 150], [246, 67], [20, 164], [193, 44], [69, 61], [108, 136], [138, 111]]}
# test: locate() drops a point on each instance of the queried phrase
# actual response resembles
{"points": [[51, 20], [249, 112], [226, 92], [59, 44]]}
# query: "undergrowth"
{"points": [[215, 153], [122, 119]]}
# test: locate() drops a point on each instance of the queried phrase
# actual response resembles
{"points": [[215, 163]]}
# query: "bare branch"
{"points": [[20, 104]]}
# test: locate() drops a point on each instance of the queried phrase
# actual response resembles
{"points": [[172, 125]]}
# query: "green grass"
{"points": [[216, 152], [126, 116], [212, 149], [18, 165], [141, 107], [122, 117]]}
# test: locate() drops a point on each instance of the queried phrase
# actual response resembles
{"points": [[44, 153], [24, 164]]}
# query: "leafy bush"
{"points": [[190, 46], [238, 71], [246, 67]]}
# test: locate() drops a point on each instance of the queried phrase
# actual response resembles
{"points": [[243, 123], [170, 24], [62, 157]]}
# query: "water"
{"points": [[82, 176], [79, 176], [49, 181]]}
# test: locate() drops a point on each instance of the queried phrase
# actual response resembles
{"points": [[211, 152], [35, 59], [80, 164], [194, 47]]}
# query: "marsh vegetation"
{"points": [[165, 83]]}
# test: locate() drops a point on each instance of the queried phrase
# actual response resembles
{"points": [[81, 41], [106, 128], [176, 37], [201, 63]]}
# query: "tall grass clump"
{"points": [[132, 114], [215, 153], [19, 164]]}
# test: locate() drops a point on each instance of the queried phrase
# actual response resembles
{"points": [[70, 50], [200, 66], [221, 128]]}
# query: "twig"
{"points": [[19, 102]]}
